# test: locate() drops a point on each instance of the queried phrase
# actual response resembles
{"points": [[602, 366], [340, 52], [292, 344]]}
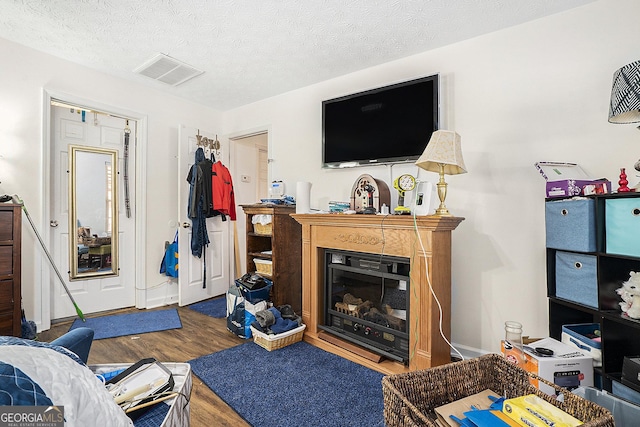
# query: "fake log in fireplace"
{"points": [[367, 301]]}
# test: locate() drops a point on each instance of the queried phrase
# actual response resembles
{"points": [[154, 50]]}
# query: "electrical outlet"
{"points": [[245, 178]]}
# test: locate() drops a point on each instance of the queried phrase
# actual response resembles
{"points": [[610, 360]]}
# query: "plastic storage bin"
{"points": [[624, 413], [625, 392], [570, 225], [576, 278], [255, 295], [578, 336], [622, 218]]}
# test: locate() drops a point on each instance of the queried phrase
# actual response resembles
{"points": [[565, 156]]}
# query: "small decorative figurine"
{"points": [[623, 182]]}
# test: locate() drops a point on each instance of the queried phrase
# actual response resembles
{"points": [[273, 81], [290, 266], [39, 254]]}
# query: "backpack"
{"points": [[169, 265]]}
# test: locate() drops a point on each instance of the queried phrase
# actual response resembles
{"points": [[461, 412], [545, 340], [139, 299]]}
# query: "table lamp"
{"points": [[624, 106], [443, 155]]}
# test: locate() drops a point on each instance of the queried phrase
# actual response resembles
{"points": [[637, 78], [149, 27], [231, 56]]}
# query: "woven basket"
{"points": [[262, 229], [411, 398], [274, 342], [263, 266]]}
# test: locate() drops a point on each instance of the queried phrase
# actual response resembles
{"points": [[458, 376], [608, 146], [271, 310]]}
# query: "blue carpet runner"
{"points": [[131, 323]]}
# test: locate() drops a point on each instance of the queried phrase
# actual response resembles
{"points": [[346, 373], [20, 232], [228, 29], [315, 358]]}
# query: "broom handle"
{"points": [[19, 201]]}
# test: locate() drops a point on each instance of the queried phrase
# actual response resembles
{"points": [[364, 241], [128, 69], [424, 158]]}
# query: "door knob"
{"points": [[186, 225], [53, 223]]}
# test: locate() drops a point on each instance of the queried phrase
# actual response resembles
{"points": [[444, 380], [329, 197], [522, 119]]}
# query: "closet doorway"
{"points": [[250, 163], [105, 279]]}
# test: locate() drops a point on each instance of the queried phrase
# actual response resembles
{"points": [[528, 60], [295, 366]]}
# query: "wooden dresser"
{"points": [[10, 294]]}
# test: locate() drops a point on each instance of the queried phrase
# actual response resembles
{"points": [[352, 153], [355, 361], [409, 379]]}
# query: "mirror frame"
{"points": [[73, 215]]}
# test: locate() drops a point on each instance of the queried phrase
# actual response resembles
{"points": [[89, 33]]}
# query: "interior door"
{"points": [[73, 126], [217, 253]]}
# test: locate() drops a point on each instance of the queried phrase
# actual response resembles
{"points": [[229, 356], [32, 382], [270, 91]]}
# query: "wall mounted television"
{"points": [[391, 124]]}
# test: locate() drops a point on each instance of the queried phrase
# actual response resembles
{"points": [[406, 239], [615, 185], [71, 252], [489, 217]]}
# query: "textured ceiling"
{"points": [[254, 49]]}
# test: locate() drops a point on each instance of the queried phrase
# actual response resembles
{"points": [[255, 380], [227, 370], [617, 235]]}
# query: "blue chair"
{"points": [[77, 340]]}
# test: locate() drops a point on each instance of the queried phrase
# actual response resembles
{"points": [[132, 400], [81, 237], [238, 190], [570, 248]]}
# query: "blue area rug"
{"points": [[131, 324], [216, 307], [298, 385]]}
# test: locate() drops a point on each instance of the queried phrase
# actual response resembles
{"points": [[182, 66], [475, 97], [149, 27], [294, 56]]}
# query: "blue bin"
{"points": [[571, 225], [583, 336], [576, 278], [256, 295], [622, 220]]}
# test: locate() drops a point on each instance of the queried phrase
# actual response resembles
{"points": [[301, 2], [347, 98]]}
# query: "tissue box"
{"points": [[568, 367], [569, 179]]}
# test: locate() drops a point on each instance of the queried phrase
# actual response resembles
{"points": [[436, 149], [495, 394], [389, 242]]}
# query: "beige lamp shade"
{"points": [[443, 149]]}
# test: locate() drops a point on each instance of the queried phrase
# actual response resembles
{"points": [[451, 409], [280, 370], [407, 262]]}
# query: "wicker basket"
{"points": [[263, 266], [411, 398], [274, 342], [262, 229]]}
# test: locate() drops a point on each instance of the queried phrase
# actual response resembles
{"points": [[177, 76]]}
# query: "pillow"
{"points": [[61, 379]]}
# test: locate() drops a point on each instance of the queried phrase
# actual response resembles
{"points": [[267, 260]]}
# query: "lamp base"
{"points": [[442, 194], [443, 211]]}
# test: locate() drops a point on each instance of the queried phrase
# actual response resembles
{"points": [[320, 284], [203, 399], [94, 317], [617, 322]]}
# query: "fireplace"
{"points": [[371, 238], [367, 301]]}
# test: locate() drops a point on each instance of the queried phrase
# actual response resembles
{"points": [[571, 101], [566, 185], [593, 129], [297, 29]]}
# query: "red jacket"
{"points": [[224, 199]]}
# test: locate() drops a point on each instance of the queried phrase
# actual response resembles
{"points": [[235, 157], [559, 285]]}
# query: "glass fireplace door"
{"points": [[367, 301]]}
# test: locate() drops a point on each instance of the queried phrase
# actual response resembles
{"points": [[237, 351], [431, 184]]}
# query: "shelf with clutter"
{"points": [[593, 279]]}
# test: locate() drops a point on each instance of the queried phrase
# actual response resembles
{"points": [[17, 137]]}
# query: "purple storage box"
{"points": [[569, 179]]}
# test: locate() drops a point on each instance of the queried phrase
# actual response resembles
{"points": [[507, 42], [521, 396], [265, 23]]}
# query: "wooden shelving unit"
{"points": [[285, 246]]}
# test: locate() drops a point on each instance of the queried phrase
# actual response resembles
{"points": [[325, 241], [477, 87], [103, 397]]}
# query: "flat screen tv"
{"points": [[390, 124]]}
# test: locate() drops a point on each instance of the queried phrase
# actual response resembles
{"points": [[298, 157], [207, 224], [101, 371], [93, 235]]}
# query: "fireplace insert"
{"points": [[366, 301]]}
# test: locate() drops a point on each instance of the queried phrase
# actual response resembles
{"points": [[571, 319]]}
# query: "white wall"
{"points": [[23, 75], [538, 91]]}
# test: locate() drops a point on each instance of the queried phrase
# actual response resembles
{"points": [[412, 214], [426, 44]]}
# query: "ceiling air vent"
{"points": [[167, 70]]}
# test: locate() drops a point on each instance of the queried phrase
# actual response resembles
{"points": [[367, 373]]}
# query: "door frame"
{"points": [[240, 232], [140, 187]]}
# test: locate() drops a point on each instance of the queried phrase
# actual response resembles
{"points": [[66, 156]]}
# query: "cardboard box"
{"points": [[569, 367], [569, 179]]}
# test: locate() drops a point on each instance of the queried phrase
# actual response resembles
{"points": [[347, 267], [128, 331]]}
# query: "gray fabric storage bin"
{"points": [[570, 225], [576, 278]]}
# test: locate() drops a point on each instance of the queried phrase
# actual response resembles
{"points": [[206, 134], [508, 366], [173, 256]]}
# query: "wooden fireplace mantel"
{"points": [[389, 235]]}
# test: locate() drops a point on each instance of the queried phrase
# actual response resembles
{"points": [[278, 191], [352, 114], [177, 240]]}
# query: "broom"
{"points": [[18, 200]]}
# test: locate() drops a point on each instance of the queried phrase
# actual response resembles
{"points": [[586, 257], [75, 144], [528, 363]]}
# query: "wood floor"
{"points": [[200, 335]]}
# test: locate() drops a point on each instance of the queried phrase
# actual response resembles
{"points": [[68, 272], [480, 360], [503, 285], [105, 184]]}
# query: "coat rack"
{"points": [[208, 143]]}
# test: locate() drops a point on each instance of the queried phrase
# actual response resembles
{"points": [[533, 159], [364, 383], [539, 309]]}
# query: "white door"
{"points": [[217, 253], [72, 127]]}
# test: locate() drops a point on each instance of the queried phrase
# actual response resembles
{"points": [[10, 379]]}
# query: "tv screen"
{"points": [[385, 125]]}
